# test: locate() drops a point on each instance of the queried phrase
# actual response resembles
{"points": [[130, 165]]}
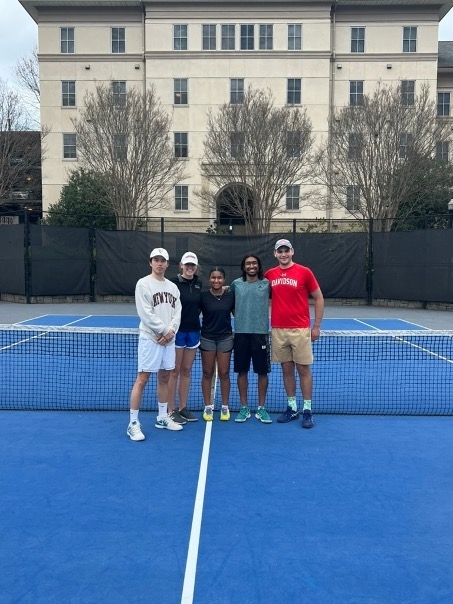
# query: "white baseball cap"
{"points": [[283, 243], [159, 251], [189, 258]]}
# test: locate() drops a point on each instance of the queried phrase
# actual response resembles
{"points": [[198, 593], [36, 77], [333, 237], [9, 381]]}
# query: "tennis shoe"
{"points": [[288, 416], [307, 419], [207, 414], [134, 431], [224, 414], [177, 418], [263, 416], [187, 415], [167, 422], [243, 415]]}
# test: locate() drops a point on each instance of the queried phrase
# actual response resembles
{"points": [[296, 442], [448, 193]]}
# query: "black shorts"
{"points": [[252, 347]]}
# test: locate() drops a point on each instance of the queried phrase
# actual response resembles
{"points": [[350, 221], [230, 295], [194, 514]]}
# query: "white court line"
{"points": [[402, 320], [24, 341], [368, 325], [401, 339], [34, 319], [188, 587], [77, 320], [43, 316], [430, 352], [192, 554], [421, 326]]}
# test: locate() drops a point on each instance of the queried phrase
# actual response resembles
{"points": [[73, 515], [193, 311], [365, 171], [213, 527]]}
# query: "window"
{"points": [[237, 144], [292, 197], [118, 40], [181, 144], [294, 91], [209, 37], [356, 92], [352, 198], [442, 151], [179, 37], [355, 146], [67, 40], [408, 92], [266, 37], [120, 147], [293, 144], [294, 36], [409, 39], [69, 146], [405, 143], [357, 39], [228, 37], [247, 40], [119, 93], [68, 93], [181, 197], [180, 91], [236, 91], [443, 104]]}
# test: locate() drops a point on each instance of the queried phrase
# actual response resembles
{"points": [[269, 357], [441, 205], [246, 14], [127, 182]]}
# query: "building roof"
{"points": [[33, 6], [445, 57]]}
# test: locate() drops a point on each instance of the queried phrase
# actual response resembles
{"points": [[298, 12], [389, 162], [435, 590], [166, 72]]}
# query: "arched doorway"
{"points": [[234, 204]]}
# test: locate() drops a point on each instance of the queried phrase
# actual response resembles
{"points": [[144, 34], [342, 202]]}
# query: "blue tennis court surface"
{"points": [[126, 321], [356, 511]]}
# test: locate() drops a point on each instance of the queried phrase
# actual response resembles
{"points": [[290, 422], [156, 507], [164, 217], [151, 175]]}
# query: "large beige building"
{"points": [[202, 53]]}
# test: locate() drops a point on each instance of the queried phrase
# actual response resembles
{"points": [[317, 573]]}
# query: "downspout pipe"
{"points": [[333, 42]]}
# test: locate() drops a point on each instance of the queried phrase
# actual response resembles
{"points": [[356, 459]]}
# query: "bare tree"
{"points": [[27, 75], [252, 152], [124, 138], [20, 149], [377, 148], [430, 192]]}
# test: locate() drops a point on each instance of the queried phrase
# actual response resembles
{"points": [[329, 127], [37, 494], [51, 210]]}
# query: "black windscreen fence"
{"points": [[38, 260], [339, 261], [60, 260], [415, 265], [12, 259]]}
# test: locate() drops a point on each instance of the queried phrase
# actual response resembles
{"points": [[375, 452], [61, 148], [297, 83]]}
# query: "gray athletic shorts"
{"points": [[222, 344]]}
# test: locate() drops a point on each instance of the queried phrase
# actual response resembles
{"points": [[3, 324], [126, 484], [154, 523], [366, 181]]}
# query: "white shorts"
{"points": [[152, 356]]}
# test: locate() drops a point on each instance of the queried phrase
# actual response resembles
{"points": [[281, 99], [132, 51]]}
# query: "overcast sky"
{"points": [[18, 35]]}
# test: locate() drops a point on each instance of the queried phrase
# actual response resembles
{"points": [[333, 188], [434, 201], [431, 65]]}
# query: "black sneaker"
{"points": [[187, 415], [178, 419], [288, 416], [307, 419]]}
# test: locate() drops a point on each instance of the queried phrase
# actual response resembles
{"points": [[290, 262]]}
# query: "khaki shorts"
{"points": [[292, 345]]}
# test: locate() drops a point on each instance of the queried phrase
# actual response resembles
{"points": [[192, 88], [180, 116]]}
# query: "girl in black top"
{"points": [[216, 342], [187, 338]]}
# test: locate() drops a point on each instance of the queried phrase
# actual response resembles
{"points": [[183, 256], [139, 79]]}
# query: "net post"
{"points": [[162, 231], [92, 245], [27, 258], [369, 270]]}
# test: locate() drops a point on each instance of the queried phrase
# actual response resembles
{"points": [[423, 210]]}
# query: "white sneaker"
{"points": [[167, 422], [134, 431]]}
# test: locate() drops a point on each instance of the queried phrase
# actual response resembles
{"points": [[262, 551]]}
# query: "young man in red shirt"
{"points": [[291, 285]]}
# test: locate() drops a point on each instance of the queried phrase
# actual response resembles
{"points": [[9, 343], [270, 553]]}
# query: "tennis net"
{"points": [[82, 369]]}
